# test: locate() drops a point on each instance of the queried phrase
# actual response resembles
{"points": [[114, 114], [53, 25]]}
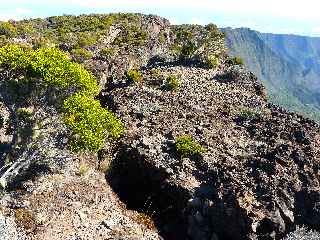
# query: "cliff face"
{"points": [[204, 154], [287, 64]]}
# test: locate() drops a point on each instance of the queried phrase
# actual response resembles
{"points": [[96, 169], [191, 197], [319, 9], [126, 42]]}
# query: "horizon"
{"points": [[302, 19]]}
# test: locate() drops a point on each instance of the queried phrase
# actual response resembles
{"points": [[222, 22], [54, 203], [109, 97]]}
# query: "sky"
{"points": [[276, 16]]}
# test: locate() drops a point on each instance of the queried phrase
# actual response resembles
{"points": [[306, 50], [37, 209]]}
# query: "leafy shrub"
{"points": [[89, 122], [56, 69], [106, 53], [162, 38], [155, 73], [24, 114], [83, 169], [134, 75], [86, 39], [8, 29], [188, 50], [131, 36], [81, 54], [235, 61], [212, 61], [172, 83], [187, 147], [248, 114]]}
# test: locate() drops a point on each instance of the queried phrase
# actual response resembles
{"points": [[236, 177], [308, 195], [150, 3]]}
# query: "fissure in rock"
{"points": [[143, 188]]}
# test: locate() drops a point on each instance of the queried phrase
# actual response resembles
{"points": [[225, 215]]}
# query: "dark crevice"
{"points": [[144, 188]]}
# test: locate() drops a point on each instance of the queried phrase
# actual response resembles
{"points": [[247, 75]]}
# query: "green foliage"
{"points": [[134, 75], [187, 147], [184, 35], [235, 60], [8, 29], [248, 114], [56, 69], [131, 36], [193, 42], [162, 38], [89, 122], [212, 61], [81, 54], [24, 27], [83, 169], [86, 39], [172, 83], [24, 114], [106, 53], [188, 50], [184, 45]]}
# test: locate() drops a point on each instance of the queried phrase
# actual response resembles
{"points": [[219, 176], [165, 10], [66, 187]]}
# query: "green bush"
{"points": [[8, 29], [172, 83], [81, 54], [187, 147], [89, 122], [106, 53], [131, 36], [248, 114], [86, 39], [134, 75], [235, 60], [24, 114], [212, 61], [83, 170]]}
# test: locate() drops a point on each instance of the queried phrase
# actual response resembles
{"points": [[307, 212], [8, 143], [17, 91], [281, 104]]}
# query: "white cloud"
{"points": [[316, 31], [16, 14]]}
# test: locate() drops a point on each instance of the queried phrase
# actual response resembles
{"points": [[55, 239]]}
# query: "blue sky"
{"points": [[277, 16]]}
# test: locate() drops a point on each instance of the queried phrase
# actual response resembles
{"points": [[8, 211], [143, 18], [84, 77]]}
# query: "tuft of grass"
{"points": [[83, 170], [172, 83], [106, 53], [186, 146], [212, 61], [248, 114], [134, 75], [235, 61]]}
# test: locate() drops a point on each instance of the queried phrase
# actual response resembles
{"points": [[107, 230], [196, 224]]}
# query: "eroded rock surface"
{"points": [[260, 175]]}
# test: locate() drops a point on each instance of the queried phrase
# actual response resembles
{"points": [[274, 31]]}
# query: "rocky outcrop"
{"points": [[259, 176]]}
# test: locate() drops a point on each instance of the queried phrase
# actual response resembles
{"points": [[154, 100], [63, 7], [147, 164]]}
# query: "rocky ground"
{"points": [[259, 176], [257, 179]]}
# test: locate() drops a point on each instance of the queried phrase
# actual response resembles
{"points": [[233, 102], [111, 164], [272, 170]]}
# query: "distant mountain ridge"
{"points": [[289, 66]]}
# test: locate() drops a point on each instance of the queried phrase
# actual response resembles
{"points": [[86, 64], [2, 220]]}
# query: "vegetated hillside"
{"points": [[168, 138], [288, 65]]}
